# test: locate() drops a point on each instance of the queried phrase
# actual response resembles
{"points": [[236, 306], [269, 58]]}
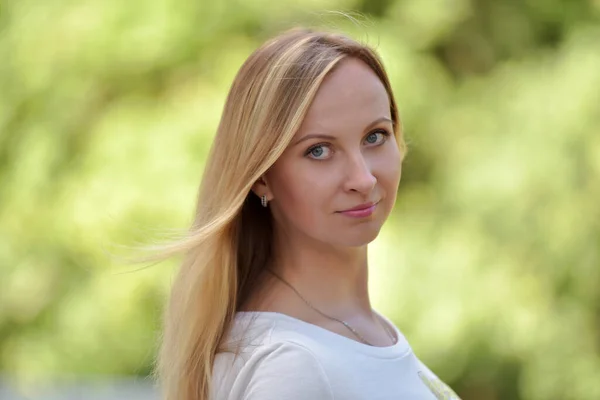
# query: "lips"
{"points": [[364, 206]]}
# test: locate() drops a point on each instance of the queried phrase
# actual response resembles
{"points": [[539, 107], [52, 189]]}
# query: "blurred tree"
{"points": [[490, 263]]}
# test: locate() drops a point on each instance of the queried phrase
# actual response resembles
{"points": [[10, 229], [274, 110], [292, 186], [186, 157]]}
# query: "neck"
{"points": [[333, 279]]}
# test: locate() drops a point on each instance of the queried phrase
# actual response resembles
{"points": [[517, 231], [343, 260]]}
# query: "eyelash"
{"points": [[384, 132]]}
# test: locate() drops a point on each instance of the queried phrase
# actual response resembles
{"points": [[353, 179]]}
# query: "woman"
{"points": [[271, 301]]}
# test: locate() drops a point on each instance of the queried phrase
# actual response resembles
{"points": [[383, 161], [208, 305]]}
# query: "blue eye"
{"points": [[372, 138], [317, 151]]}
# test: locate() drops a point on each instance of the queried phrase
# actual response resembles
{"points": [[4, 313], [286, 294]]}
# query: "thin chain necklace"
{"points": [[347, 325]]}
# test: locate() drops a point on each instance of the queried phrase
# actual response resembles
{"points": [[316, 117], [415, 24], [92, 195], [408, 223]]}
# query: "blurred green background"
{"points": [[490, 263]]}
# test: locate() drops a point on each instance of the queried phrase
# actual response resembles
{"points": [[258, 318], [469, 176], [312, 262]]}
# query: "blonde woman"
{"points": [[272, 301]]}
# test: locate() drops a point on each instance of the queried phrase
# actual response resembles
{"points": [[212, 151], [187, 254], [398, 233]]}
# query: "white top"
{"points": [[285, 358]]}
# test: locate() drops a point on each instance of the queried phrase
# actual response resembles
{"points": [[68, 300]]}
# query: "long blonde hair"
{"points": [[229, 242]]}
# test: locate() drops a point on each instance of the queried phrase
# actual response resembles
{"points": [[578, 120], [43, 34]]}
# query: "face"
{"points": [[344, 156]]}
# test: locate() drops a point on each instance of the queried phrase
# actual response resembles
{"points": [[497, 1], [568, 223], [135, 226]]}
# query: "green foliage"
{"points": [[490, 263]]}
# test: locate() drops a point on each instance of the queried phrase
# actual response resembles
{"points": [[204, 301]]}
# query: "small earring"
{"points": [[263, 200]]}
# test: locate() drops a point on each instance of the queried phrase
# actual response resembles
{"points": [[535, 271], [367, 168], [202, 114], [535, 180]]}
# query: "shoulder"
{"points": [[279, 370]]}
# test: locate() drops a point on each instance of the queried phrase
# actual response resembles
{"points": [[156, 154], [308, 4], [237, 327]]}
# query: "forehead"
{"points": [[351, 94]]}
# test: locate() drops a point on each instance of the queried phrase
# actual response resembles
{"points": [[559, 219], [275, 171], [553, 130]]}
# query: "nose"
{"points": [[359, 176]]}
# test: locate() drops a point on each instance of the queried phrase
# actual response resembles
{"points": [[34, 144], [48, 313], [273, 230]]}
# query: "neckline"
{"points": [[322, 335]]}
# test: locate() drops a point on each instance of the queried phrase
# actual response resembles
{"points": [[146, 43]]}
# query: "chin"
{"points": [[358, 237]]}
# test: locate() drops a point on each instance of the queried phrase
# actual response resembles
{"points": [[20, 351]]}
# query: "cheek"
{"points": [[301, 193], [389, 170]]}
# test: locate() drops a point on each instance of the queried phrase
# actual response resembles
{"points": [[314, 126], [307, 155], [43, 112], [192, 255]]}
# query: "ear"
{"points": [[261, 187]]}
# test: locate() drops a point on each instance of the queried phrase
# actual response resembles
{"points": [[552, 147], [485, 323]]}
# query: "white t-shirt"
{"points": [[284, 358]]}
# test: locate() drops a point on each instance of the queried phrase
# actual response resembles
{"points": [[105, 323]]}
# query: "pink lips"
{"points": [[362, 211]]}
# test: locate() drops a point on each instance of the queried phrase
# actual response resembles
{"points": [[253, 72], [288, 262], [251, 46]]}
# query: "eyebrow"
{"points": [[329, 137]]}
